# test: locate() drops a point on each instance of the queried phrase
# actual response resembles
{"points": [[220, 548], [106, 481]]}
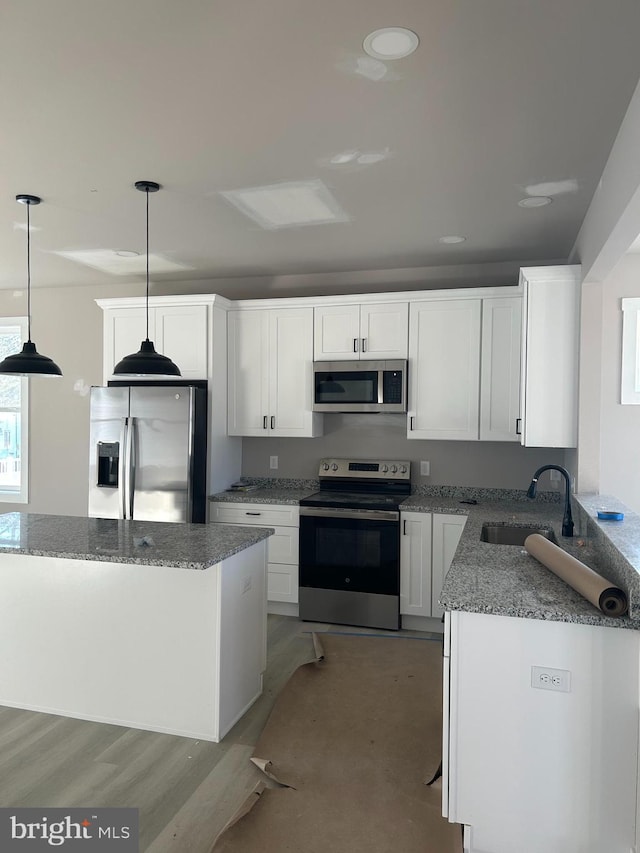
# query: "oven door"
{"points": [[350, 566]]}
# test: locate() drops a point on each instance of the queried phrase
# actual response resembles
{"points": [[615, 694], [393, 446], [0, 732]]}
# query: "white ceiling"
{"points": [[206, 96]]}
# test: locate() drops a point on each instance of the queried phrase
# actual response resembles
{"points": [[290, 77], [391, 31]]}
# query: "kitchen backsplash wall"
{"points": [[501, 465]]}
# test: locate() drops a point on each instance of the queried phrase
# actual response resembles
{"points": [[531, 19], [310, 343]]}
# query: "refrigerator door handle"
{"points": [[130, 464], [122, 468], [191, 452]]}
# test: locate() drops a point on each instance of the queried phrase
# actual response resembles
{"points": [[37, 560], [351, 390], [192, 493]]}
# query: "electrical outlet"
{"points": [[547, 678], [425, 469], [273, 462]]}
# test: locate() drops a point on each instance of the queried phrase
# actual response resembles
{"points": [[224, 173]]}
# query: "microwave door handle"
{"points": [[381, 387]]}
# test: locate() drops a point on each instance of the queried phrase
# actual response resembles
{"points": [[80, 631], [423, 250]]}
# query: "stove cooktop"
{"points": [[353, 500]]}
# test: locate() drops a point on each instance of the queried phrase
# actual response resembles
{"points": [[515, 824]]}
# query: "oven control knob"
{"points": [[325, 466], [334, 467], [385, 468], [403, 469], [347, 580], [394, 469]]}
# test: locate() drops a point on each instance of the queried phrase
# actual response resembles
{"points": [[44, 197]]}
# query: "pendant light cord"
{"points": [[28, 276], [147, 194]]}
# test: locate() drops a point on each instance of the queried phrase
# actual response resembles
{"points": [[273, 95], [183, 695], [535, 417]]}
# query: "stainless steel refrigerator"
{"points": [[148, 451]]}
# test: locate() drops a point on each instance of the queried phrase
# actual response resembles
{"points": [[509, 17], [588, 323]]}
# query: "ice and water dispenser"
{"points": [[108, 461]]}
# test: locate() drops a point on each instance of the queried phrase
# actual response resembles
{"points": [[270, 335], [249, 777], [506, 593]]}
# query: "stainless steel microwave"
{"points": [[360, 386]]}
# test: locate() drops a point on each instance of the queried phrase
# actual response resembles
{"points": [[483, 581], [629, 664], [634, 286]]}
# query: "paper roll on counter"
{"points": [[611, 600]]}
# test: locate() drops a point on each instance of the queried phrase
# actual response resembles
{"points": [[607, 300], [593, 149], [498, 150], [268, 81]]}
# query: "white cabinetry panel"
{"points": [[181, 334], [539, 770], [415, 563], [270, 373], [447, 530], [444, 369], [248, 385], [550, 332], [500, 373], [367, 331]]}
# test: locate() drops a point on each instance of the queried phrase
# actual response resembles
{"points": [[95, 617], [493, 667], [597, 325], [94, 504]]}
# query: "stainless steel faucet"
{"points": [[567, 521]]}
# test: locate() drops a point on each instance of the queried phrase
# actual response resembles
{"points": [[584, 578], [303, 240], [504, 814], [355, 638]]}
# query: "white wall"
{"points": [[619, 425], [503, 465]]}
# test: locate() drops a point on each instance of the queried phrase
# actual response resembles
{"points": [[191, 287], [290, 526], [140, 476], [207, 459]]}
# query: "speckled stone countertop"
{"points": [[265, 495], [506, 580], [148, 543]]}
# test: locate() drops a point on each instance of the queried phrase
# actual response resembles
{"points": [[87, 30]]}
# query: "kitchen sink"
{"points": [[512, 534]]}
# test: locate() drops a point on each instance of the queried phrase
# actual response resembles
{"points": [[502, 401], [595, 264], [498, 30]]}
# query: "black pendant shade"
{"points": [[29, 362], [146, 362]]}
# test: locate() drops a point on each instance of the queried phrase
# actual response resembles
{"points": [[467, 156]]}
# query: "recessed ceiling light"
{"points": [[391, 43], [453, 238], [288, 204], [534, 201], [125, 253], [343, 157]]}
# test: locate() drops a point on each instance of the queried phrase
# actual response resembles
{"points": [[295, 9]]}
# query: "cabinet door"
{"points": [[550, 331], [336, 333], [447, 530], [444, 369], [500, 376], [415, 564], [181, 335], [384, 330], [291, 373], [123, 331], [248, 388]]}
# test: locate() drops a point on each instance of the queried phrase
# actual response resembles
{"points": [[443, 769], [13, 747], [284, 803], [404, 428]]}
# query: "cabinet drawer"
{"points": [[258, 515]]}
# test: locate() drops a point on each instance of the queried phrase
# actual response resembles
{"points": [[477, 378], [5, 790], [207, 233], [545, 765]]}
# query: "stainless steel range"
{"points": [[350, 543]]}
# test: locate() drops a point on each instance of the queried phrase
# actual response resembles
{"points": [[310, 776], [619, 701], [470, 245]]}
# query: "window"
{"points": [[630, 393], [14, 409]]}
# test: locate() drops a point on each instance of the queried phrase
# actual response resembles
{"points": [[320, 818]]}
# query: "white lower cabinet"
{"points": [[427, 546], [538, 770], [282, 577], [415, 563]]}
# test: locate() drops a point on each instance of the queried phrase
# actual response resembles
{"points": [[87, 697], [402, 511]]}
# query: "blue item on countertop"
{"points": [[610, 515]]}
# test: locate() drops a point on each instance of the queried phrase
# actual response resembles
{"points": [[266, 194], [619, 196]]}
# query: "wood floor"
{"points": [[186, 790]]}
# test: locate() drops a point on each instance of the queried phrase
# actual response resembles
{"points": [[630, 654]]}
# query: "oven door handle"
{"points": [[337, 512]]}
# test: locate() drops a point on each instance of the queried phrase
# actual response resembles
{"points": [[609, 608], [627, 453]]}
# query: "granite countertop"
{"points": [[506, 580], [148, 543], [266, 495]]}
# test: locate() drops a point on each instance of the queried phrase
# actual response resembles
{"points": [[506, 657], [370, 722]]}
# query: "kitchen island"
{"points": [[155, 626]]}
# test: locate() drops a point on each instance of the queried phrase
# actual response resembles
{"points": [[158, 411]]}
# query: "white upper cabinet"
{"points": [[177, 331], [550, 342], [270, 373], [500, 369], [367, 331], [181, 334], [444, 369]]}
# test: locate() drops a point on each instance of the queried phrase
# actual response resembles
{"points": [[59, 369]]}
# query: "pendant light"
{"points": [[146, 362], [29, 362]]}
